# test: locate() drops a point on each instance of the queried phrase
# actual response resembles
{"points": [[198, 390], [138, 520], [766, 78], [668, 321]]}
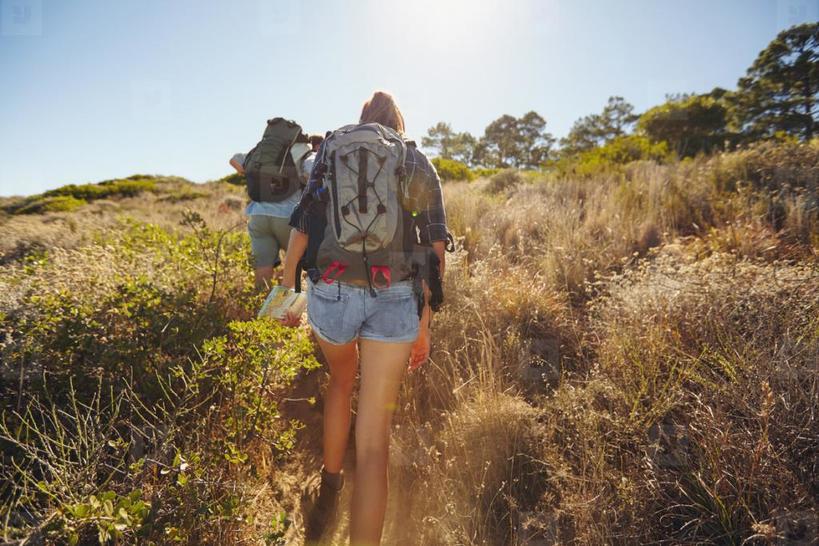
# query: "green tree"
{"points": [[594, 130], [463, 148], [535, 144], [688, 123], [780, 90], [449, 144], [439, 138], [515, 142], [500, 142]]}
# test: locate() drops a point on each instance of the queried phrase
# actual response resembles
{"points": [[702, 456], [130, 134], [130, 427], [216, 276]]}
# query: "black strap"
{"points": [[362, 180], [449, 245]]}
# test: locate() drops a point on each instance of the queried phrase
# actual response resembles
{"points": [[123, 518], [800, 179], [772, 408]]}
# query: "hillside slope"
{"points": [[624, 357]]}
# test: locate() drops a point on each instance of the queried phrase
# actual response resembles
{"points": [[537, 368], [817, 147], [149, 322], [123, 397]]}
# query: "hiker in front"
{"points": [[367, 229], [275, 170]]}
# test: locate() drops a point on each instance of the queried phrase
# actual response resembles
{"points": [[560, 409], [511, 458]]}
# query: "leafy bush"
{"points": [[257, 359], [485, 172], [70, 197], [155, 382], [183, 195], [155, 296], [61, 203], [106, 189], [504, 180], [234, 179], [768, 166], [449, 169], [619, 151]]}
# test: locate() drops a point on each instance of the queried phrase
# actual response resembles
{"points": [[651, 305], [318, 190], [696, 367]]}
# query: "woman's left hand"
{"points": [[420, 350]]}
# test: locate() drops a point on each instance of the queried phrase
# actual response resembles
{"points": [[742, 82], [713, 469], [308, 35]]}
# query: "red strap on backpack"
{"points": [[333, 271], [385, 273]]}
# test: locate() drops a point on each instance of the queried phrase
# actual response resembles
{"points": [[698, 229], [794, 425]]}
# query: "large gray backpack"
{"points": [[367, 236], [270, 171]]}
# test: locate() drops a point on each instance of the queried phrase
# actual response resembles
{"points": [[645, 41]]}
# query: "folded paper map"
{"points": [[280, 300]]}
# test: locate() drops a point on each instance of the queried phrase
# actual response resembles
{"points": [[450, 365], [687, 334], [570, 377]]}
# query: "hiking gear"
{"points": [[334, 480], [385, 274], [321, 503], [333, 271], [270, 170], [367, 219]]}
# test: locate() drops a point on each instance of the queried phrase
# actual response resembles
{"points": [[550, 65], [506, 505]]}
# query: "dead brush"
{"points": [[715, 360]]}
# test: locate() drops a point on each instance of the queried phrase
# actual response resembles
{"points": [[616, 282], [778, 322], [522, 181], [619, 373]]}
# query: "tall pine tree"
{"points": [[780, 91]]}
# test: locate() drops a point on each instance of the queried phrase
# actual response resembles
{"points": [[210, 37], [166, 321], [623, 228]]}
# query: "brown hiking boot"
{"points": [[320, 504]]}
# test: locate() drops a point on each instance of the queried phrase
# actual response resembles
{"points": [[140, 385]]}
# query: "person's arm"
{"points": [[237, 162], [433, 233], [421, 347], [300, 221], [295, 250]]}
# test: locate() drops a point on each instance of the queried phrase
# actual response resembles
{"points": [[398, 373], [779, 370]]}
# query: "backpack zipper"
{"points": [[334, 190]]}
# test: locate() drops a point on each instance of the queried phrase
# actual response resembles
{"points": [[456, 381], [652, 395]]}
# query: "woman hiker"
{"points": [[366, 307]]}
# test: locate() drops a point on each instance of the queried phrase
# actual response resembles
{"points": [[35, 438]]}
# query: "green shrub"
{"points": [[104, 190], [768, 166], [183, 195], [256, 359], [131, 304], [620, 151], [485, 172], [156, 379], [504, 180], [61, 203], [234, 179], [449, 169]]}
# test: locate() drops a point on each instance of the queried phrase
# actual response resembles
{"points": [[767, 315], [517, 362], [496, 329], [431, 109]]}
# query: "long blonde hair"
{"points": [[381, 108]]}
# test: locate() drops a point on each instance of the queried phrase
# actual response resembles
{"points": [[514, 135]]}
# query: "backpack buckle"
{"points": [[333, 271], [385, 274]]}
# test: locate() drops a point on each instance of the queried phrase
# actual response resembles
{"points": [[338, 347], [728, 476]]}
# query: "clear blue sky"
{"points": [[102, 89]]}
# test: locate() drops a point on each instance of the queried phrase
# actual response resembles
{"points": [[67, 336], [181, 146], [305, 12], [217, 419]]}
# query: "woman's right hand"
{"points": [[290, 319]]}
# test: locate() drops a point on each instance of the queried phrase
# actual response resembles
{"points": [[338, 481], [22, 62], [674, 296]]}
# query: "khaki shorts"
{"points": [[268, 235]]}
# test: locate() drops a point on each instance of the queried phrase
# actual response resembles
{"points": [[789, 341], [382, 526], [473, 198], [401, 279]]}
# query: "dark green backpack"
{"points": [[270, 172]]}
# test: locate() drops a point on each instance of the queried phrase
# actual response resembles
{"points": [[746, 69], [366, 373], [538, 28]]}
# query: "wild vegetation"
{"points": [[624, 357]]}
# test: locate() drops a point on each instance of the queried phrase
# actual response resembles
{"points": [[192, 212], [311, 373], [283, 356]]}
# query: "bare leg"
{"points": [[382, 368], [263, 276], [343, 361]]}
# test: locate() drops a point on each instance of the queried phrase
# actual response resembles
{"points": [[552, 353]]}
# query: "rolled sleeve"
{"points": [[298, 219], [302, 214], [432, 219]]}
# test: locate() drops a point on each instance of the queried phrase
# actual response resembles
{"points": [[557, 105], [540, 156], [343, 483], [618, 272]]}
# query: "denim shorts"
{"points": [[342, 312]]}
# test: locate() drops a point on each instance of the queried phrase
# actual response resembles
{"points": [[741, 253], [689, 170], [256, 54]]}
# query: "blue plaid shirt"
{"points": [[431, 221]]}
